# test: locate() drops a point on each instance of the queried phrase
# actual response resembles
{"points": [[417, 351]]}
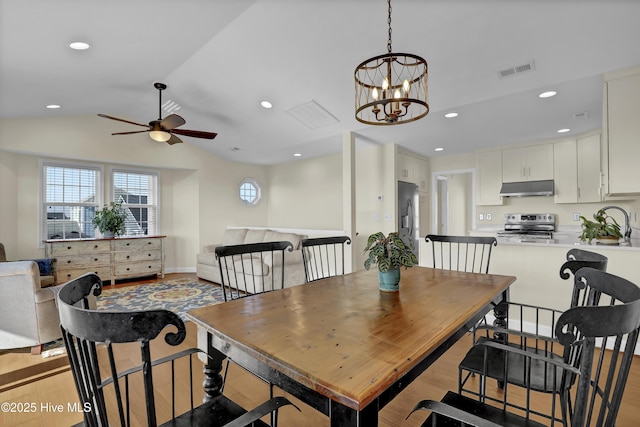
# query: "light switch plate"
{"points": [[576, 216], [481, 217], [488, 217]]}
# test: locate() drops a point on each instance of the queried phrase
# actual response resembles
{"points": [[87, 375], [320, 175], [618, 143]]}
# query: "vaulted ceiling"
{"points": [[221, 58]]}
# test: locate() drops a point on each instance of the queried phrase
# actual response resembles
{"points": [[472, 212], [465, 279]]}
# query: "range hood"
{"points": [[527, 188]]}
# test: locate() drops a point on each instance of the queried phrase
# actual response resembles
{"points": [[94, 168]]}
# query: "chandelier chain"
{"points": [[389, 22]]}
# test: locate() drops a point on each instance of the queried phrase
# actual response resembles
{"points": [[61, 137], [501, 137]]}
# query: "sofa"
{"points": [[28, 312], [44, 264], [207, 267]]}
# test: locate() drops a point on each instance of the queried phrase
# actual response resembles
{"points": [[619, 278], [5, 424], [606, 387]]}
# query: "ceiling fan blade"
{"points": [[174, 140], [195, 133], [172, 121], [129, 133], [122, 120]]}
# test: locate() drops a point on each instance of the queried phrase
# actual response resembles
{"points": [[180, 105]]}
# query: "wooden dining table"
{"points": [[340, 344]]}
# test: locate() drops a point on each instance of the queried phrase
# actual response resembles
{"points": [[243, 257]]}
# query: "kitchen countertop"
{"points": [[568, 237]]}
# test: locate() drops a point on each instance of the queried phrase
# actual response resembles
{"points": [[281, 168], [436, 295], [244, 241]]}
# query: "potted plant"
{"points": [[605, 229], [110, 220], [389, 253]]}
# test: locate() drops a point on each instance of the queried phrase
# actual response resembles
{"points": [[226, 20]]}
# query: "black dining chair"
{"points": [[595, 287], [252, 268], [114, 391], [596, 359], [532, 325], [323, 257], [471, 254]]}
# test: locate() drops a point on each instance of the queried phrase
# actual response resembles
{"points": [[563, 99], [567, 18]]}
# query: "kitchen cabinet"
{"points": [[577, 171], [621, 131], [533, 163], [488, 177], [413, 169], [110, 259]]}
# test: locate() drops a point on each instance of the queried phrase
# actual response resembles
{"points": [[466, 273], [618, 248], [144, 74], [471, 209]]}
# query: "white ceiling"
{"points": [[221, 58]]}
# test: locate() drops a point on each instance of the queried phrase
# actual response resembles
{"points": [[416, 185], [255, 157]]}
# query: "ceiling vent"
{"points": [[583, 115], [518, 69], [312, 115], [170, 106]]}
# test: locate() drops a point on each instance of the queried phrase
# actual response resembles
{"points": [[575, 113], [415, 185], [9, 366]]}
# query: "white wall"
{"points": [[306, 194]]}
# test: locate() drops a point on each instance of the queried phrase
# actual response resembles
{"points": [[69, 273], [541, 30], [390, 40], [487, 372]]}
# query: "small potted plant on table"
{"points": [[110, 220], [389, 253], [605, 229]]}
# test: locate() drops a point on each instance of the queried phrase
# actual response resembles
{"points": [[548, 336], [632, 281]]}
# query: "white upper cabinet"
{"points": [[488, 177], [621, 131], [413, 169], [533, 163], [577, 172], [589, 169]]}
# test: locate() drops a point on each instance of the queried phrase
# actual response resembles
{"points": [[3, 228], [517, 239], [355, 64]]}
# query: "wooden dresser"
{"points": [[110, 259]]}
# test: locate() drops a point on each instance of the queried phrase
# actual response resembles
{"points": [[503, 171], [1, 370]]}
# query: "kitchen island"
{"points": [[536, 263]]}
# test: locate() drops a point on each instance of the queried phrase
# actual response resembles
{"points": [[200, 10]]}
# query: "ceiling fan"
{"points": [[163, 130]]}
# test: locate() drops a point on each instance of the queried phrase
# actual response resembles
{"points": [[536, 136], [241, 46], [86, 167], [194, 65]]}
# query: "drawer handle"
{"points": [[69, 262], [148, 243], [128, 244], [95, 259], [69, 275], [149, 255], [95, 246], [150, 266], [68, 247], [127, 268], [128, 256]]}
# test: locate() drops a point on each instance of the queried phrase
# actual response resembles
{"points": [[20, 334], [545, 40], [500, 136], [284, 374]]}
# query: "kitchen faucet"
{"points": [[627, 226]]}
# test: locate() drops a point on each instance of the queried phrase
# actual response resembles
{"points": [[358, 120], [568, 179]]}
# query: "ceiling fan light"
{"points": [[159, 135]]}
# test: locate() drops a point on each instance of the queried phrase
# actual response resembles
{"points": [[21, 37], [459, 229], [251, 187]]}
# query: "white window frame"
{"points": [[256, 185], [44, 163], [155, 206]]}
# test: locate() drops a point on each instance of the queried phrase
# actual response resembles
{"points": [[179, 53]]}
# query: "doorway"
{"points": [[453, 202]]}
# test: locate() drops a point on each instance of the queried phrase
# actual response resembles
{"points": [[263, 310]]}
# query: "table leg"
{"points": [[341, 416], [213, 381]]}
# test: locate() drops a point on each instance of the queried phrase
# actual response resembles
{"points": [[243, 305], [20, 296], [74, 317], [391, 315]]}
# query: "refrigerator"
{"points": [[408, 214]]}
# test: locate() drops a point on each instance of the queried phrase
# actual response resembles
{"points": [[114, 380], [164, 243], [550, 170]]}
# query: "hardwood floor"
{"points": [[46, 386]]}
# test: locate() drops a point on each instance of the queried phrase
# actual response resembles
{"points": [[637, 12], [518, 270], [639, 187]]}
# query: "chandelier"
{"points": [[391, 88]]}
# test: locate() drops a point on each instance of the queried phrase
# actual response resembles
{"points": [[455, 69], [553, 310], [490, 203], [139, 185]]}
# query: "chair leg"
{"points": [[37, 349]]}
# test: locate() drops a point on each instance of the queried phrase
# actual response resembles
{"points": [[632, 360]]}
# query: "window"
{"points": [[250, 192], [71, 194], [138, 193]]}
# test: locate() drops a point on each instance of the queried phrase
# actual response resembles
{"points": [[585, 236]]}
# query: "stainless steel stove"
{"points": [[529, 226]]}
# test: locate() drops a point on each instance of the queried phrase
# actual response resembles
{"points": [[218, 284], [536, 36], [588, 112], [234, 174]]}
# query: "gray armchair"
{"points": [[28, 312]]}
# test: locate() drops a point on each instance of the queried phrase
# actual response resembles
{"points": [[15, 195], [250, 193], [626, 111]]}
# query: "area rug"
{"points": [[177, 295]]}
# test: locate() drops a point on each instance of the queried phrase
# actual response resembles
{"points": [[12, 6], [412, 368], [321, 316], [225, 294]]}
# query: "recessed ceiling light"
{"points": [[563, 130], [297, 155], [438, 149], [266, 104], [548, 94], [451, 115], [53, 106], [79, 45]]}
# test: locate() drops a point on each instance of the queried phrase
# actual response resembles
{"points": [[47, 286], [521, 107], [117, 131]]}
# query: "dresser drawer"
{"points": [[137, 268], [62, 276], [137, 244], [79, 247], [83, 261], [141, 255]]}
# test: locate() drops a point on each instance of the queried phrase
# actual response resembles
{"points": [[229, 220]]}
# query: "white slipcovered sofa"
{"points": [[28, 312], [207, 267]]}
